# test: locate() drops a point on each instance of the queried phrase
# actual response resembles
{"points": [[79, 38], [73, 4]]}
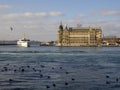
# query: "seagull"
{"points": [[11, 28]]}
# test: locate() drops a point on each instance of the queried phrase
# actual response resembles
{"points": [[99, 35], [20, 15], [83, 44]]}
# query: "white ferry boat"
{"points": [[23, 42]]}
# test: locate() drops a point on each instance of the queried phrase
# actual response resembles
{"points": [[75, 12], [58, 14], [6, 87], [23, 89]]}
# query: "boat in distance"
{"points": [[23, 42]]}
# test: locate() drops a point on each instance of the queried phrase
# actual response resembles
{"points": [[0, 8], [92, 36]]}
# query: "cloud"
{"points": [[55, 14], [2, 7], [80, 15], [108, 12], [32, 15]]}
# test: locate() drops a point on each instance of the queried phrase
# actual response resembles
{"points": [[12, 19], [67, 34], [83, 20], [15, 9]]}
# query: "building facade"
{"points": [[79, 36]]}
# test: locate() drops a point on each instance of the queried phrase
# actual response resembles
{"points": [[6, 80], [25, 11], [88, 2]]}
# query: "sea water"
{"points": [[59, 68]]}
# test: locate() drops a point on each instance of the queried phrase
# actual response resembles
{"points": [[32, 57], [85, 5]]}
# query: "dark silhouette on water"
{"points": [[22, 70], [15, 70], [67, 72], [53, 68], [73, 79], [11, 80], [28, 66], [34, 69], [5, 68], [40, 70], [107, 76], [41, 75], [48, 77], [117, 80], [61, 68], [107, 82], [47, 86], [42, 66], [66, 83], [54, 85]]}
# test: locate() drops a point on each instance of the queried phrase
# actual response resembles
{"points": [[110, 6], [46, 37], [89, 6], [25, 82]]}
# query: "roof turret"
{"points": [[61, 26]]}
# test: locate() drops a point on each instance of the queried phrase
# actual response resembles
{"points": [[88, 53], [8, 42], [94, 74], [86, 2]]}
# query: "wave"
{"points": [[43, 52], [7, 52]]}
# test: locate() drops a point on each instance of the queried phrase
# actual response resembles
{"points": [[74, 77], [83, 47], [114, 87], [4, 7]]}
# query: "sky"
{"points": [[39, 19]]}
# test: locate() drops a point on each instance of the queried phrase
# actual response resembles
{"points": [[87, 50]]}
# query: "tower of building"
{"points": [[60, 34]]}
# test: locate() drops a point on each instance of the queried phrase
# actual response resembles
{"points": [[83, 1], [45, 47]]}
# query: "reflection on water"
{"points": [[59, 68]]}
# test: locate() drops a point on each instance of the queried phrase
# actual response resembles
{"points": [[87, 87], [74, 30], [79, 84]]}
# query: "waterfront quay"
{"points": [[4, 42], [105, 43]]}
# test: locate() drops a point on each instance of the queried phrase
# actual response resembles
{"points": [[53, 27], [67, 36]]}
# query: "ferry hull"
{"points": [[23, 44]]}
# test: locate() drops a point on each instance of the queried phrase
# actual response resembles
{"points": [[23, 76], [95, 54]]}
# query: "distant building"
{"points": [[51, 43], [79, 36], [111, 41]]}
